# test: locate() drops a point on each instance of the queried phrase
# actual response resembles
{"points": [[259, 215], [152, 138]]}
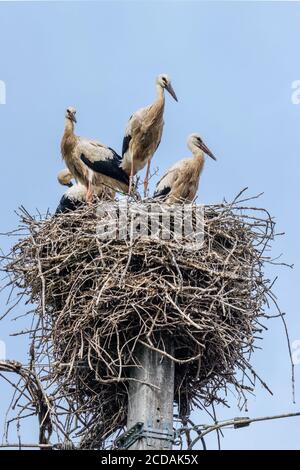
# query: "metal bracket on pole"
{"points": [[245, 422], [129, 437], [139, 431]]}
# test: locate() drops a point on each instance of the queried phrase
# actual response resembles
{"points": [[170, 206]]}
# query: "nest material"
{"points": [[96, 301]]}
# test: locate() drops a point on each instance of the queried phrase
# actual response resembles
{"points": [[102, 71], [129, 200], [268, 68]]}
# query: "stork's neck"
{"points": [[69, 127], [198, 154], [69, 138], [160, 94], [156, 110]]}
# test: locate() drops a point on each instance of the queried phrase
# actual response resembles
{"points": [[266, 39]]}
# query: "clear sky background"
{"points": [[232, 65]]}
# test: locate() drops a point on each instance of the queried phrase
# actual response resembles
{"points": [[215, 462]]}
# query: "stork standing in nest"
{"points": [[83, 156], [144, 131], [180, 183]]}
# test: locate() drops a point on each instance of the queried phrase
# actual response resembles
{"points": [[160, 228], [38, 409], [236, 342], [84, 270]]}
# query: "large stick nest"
{"points": [[97, 300]]}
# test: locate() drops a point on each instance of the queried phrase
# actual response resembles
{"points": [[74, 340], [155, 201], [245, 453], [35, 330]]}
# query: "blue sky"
{"points": [[232, 65]]}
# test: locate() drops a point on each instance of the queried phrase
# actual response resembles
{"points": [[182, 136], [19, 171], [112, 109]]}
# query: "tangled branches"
{"points": [[36, 397], [96, 300]]}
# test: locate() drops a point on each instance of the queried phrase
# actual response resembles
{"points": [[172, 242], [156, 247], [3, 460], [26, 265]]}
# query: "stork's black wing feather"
{"points": [[163, 192], [66, 204], [158, 144], [109, 168], [116, 157], [125, 146], [127, 138]]}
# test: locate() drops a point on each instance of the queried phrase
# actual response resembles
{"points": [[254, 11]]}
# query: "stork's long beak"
{"points": [[170, 89], [73, 118], [206, 150]]}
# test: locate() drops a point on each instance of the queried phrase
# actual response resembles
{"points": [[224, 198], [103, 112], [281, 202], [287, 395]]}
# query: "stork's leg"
{"points": [[89, 194], [131, 177], [146, 180]]}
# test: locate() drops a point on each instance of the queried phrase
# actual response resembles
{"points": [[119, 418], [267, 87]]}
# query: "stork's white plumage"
{"points": [[76, 195], [92, 163], [180, 183], [74, 198], [144, 131]]}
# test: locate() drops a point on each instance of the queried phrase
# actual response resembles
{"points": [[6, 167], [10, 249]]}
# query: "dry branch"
{"points": [[38, 397]]}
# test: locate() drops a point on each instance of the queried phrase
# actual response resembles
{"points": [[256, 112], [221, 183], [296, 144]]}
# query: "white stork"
{"points": [[144, 131], [180, 183], [65, 177], [92, 164], [74, 197]]}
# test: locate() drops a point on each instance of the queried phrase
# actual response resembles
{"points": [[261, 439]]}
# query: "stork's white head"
{"points": [[164, 81], [71, 114], [64, 177], [195, 142]]}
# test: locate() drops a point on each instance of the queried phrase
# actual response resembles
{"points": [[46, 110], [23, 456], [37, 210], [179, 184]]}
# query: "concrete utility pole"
{"points": [[150, 410]]}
